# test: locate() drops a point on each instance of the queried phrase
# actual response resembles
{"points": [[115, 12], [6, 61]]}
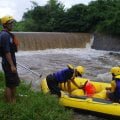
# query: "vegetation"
{"points": [[32, 106], [98, 16]]}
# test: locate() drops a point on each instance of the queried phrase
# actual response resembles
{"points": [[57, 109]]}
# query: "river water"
{"points": [[97, 65]]}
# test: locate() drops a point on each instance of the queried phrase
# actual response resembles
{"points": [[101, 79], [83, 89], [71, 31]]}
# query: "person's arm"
{"points": [[108, 88], [69, 86], [78, 86], [10, 61], [6, 49], [113, 85]]}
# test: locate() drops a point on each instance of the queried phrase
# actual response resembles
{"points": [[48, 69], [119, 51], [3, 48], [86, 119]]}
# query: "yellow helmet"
{"points": [[115, 70], [80, 69], [70, 66], [6, 19]]}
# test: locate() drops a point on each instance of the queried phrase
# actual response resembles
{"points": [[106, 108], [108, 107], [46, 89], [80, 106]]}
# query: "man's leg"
{"points": [[53, 85], [13, 95], [8, 94]]}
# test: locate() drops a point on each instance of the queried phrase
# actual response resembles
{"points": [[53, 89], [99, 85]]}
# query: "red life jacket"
{"points": [[89, 89]]}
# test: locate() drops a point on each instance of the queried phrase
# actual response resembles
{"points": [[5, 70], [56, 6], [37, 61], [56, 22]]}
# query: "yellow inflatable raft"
{"points": [[78, 99]]}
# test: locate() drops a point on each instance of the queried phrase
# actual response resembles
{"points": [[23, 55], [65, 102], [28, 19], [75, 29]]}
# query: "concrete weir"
{"points": [[51, 40]]}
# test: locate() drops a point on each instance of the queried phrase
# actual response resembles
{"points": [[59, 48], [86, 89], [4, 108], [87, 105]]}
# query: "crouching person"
{"points": [[62, 76]]}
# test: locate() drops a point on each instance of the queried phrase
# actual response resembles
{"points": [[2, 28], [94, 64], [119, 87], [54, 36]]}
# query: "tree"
{"points": [[76, 18], [98, 16], [44, 18]]}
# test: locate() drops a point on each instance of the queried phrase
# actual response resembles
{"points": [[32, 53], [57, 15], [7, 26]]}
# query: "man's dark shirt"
{"points": [[7, 45]]}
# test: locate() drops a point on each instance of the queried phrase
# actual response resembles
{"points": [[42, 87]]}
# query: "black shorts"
{"points": [[53, 85], [11, 79], [113, 98]]}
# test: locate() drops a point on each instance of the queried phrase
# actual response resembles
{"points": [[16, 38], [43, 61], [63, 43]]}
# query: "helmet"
{"points": [[70, 66], [6, 19], [115, 70], [80, 69]]}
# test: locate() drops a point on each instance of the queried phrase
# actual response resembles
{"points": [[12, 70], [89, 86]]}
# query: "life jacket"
{"points": [[15, 42], [1, 51], [63, 75], [117, 89], [89, 89]]}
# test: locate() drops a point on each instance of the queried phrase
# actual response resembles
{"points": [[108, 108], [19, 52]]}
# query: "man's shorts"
{"points": [[113, 98], [11, 79]]}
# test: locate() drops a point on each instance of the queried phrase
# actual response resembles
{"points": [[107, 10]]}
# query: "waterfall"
{"points": [[51, 40]]}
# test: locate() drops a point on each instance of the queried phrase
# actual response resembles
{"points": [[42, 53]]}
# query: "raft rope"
{"points": [[37, 74]]}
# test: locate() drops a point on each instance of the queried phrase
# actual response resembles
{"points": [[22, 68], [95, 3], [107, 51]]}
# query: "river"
{"points": [[97, 64]]}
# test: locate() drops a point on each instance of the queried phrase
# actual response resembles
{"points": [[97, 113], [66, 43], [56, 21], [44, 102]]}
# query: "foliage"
{"points": [[32, 106], [76, 20], [1, 27], [100, 15], [19, 26], [43, 18]]}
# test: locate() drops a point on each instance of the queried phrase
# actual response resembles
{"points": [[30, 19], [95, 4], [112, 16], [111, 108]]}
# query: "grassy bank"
{"points": [[31, 105]]}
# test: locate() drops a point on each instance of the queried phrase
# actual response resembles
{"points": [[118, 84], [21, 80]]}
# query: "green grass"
{"points": [[32, 105]]}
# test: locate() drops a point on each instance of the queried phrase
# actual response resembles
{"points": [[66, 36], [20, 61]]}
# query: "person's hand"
{"points": [[81, 86], [13, 69], [108, 88]]}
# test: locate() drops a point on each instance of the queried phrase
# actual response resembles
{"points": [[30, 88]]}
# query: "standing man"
{"points": [[8, 48]]}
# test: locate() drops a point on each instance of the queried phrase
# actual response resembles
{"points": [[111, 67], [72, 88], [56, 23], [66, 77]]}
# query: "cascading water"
{"points": [[47, 40]]}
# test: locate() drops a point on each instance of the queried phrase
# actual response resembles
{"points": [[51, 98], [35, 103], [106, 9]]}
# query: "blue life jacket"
{"points": [[63, 75], [11, 47], [0, 46], [117, 90]]}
